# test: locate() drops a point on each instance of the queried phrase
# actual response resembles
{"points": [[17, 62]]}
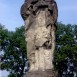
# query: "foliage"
{"points": [[66, 48], [14, 47]]}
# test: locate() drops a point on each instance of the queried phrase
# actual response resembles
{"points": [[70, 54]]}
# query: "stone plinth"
{"points": [[46, 73]]}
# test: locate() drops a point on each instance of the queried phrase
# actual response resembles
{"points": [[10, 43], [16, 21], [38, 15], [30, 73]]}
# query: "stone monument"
{"points": [[40, 17]]}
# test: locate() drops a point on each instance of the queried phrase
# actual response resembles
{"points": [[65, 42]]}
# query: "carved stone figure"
{"points": [[32, 6], [40, 18]]}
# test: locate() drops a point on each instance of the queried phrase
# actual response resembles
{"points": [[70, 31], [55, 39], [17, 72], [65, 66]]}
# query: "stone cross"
{"points": [[40, 17]]}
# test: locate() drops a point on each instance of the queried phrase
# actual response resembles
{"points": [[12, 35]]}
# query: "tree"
{"points": [[3, 36], [14, 47], [66, 48]]}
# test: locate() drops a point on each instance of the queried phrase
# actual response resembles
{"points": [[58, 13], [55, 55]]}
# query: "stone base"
{"points": [[47, 73]]}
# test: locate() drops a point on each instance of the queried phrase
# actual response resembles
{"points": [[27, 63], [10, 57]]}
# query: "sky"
{"points": [[11, 18], [4, 73]]}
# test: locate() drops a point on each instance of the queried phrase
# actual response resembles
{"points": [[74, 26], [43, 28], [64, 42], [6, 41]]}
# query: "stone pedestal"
{"points": [[46, 73]]}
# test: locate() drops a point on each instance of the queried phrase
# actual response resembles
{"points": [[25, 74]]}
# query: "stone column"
{"points": [[40, 18]]}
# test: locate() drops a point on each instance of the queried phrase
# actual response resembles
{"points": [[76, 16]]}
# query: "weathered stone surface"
{"points": [[40, 45], [40, 17]]}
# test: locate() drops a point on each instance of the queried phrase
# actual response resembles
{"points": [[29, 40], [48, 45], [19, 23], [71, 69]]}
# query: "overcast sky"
{"points": [[10, 12]]}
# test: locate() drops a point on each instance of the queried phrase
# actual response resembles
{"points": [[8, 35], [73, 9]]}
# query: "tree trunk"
{"points": [[40, 37]]}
